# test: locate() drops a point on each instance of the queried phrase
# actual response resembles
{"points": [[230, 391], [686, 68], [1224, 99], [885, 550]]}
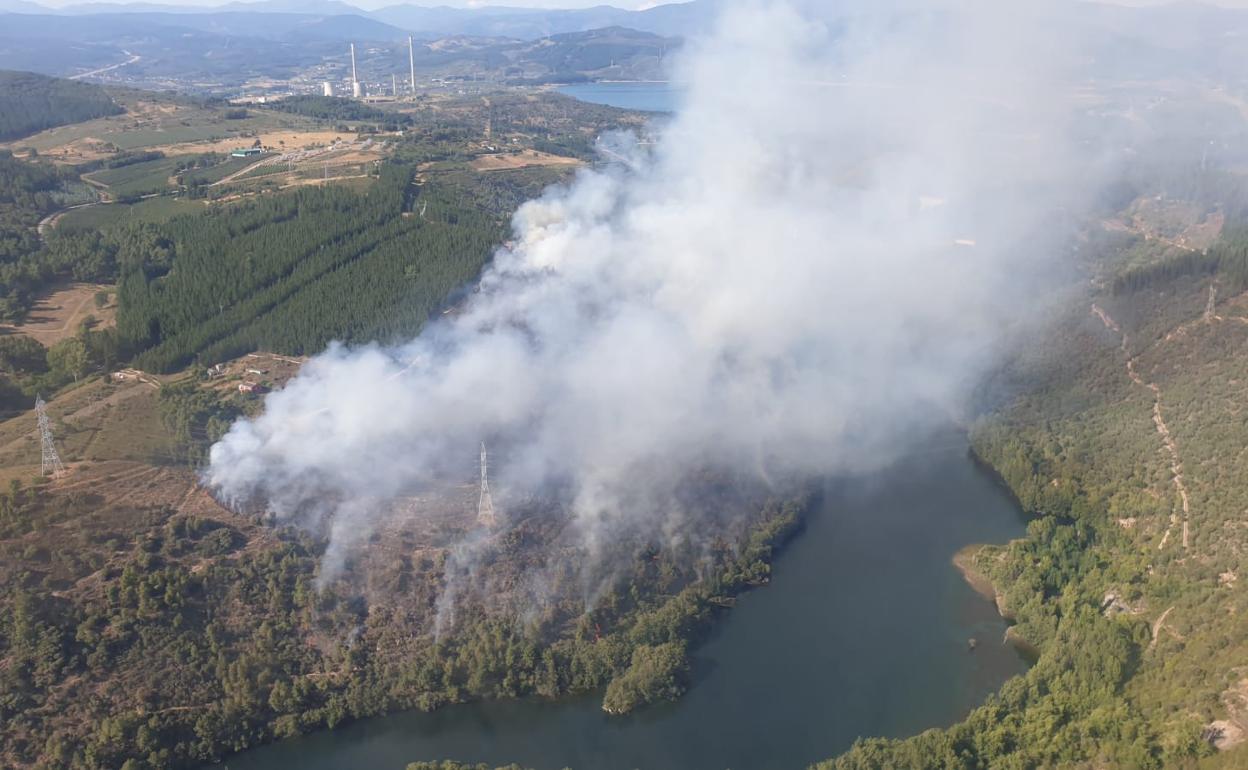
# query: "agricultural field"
{"points": [[61, 312], [175, 126], [521, 159], [152, 210], [217, 172], [278, 140], [136, 179]]}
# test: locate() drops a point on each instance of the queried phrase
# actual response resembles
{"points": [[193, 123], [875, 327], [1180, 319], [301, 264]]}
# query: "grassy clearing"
{"points": [[218, 172], [96, 421], [155, 137], [138, 178], [176, 127], [147, 211]]}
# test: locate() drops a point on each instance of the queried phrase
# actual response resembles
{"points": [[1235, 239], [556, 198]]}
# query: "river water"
{"points": [[863, 631], [649, 97]]}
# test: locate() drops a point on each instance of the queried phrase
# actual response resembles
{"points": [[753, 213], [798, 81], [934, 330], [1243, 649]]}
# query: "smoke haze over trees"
{"points": [[812, 265]]}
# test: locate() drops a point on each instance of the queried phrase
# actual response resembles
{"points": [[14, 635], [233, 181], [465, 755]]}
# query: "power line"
{"points": [[51, 460], [485, 506]]}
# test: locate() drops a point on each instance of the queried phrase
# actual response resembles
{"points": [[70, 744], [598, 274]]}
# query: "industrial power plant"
{"points": [[360, 91]]}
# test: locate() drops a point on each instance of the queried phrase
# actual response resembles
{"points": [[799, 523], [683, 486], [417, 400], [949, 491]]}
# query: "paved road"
{"points": [[133, 58]]}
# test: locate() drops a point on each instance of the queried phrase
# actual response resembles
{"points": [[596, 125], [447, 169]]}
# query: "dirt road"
{"points": [[1163, 430]]}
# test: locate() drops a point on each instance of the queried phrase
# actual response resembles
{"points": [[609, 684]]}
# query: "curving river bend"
{"points": [[863, 631]]}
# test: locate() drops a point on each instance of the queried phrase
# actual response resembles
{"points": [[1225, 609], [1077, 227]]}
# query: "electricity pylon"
{"points": [[52, 465], [485, 506]]}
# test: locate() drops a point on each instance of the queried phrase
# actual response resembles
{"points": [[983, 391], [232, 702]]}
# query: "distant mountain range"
{"points": [[215, 48], [219, 50], [487, 21]]}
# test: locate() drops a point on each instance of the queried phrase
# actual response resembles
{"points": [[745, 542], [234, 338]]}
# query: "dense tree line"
{"points": [[1228, 258], [332, 108], [30, 103], [30, 191], [26, 192], [131, 158], [195, 418], [292, 272]]}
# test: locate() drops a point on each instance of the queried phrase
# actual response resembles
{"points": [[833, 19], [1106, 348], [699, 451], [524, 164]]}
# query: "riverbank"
{"points": [[965, 562], [833, 633]]}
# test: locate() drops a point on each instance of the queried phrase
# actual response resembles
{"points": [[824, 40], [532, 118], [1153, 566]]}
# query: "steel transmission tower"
{"points": [[52, 465], [485, 506]]}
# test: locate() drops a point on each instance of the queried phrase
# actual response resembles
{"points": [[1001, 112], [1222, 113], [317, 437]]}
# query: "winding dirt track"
{"points": [[1157, 626], [1163, 430]]}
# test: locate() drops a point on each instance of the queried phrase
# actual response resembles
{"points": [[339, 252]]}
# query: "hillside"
{"points": [[1123, 437], [30, 103], [142, 624], [146, 626]]}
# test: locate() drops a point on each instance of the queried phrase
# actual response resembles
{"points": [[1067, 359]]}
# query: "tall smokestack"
{"points": [[356, 91], [411, 61]]}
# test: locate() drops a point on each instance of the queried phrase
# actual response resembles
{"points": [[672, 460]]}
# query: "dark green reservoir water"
{"points": [[649, 97], [863, 631]]}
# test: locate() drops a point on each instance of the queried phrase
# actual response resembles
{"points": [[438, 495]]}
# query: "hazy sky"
{"points": [[633, 4], [373, 4], [630, 4]]}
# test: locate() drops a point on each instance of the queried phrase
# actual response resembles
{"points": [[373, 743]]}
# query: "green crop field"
{"points": [[138, 178], [175, 134], [151, 210], [218, 172]]}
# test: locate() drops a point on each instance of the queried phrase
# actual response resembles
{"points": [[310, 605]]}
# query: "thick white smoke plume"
{"points": [[812, 264]]}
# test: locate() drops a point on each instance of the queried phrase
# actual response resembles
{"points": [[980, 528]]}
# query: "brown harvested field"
{"points": [[281, 140], [175, 129], [82, 150], [58, 314], [522, 159], [81, 142], [347, 158], [302, 182]]}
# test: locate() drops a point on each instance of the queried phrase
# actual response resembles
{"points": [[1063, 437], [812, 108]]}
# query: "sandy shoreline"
{"points": [[964, 562]]}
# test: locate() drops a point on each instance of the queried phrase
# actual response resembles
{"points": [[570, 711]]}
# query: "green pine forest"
{"points": [[292, 272], [30, 103]]}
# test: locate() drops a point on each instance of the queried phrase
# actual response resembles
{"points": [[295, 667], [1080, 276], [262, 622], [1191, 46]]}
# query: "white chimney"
{"points": [[411, 60], [356, 91]]}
